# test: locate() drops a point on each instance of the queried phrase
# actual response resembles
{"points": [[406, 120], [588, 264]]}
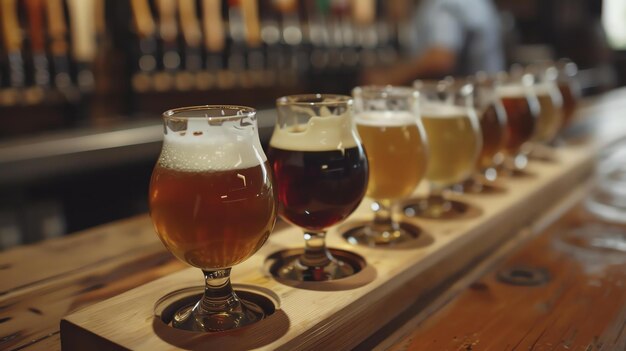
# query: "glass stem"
{"points": [[219, 295], [315, 252], [382, 214]]}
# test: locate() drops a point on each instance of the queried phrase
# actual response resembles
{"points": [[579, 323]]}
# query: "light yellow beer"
{"points": [[454, 142], [396, 151], [550, 115]]}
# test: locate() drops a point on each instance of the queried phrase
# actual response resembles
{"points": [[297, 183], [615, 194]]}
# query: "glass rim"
{"points": [[384, 91], [462, 85], [294, 100], [238, 112]]}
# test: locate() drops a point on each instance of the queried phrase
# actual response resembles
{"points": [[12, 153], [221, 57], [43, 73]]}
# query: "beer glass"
{"points": [[213, 205], [321, 173], [492, 119], [522, 110], [393, 136], [454, 142], [569, 88], [550, 102]]}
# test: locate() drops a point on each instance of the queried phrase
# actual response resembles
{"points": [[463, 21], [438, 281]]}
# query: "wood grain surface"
{"points": [[581, 307]]}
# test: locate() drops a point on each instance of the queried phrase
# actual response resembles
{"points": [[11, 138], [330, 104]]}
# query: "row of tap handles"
{"points": [[51, 45], [48, 47], [257, 43]]}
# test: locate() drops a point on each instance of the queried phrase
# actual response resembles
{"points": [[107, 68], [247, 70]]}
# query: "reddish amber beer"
{"points": [[521, 111], [212, 219], [493, 126]]}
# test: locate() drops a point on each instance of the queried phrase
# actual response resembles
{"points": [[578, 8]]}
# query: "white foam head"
{"points": [[545, 88], [385, 118], [511, 91], [440, 110], [203, 147], [320, 133]]}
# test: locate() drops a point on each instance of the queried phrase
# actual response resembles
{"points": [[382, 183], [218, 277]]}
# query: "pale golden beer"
{"points": [[396, 152], [550, 115], [454, 143]]}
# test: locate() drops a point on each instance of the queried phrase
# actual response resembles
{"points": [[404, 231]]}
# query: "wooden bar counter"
{"points": [[580, 305]]}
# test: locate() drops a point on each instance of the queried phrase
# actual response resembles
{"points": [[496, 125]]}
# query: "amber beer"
{"points": [[521, 111], [492, 126], [454, 143], [211, 218], [396, 152]]}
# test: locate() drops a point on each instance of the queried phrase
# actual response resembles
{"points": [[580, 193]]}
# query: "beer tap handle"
{"points": [[35, 12], [57, 32], [214, 40], [235, 62], [291, 38], [364, 17], [255, 61], [145, 28], [250, 13], [189, 23], [83, 34], [364, 11], [213, 26], [142, 18], [168, 31], [192, 35], [12, 36]]}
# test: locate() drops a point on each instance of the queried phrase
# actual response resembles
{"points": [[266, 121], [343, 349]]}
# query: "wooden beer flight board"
{"points": [[339, 314]]}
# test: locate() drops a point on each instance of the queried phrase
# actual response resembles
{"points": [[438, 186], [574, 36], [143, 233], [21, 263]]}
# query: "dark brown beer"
{"points": [[521, 120], [317, 189], [492, 125], [212, 219]]}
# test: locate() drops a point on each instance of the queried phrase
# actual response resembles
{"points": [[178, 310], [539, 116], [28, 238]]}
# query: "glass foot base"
{"points": [[542, 153], [477, 186], [427, 208], [179, 309], [295, 270], [369, 235], [190, 318], [287, 268]]}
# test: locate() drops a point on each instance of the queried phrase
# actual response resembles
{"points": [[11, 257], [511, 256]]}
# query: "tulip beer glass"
{"points": [[388, 122], [212, 203], [321, 174]]}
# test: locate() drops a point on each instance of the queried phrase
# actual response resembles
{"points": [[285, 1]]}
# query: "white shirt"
{"points": [[471, 28]]}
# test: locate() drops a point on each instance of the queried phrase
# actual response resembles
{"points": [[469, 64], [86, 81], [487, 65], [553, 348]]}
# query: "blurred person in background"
{"points": [[449, 37]]}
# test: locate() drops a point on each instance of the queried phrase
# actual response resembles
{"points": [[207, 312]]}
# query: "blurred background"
{"points": [[83, 82]]}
